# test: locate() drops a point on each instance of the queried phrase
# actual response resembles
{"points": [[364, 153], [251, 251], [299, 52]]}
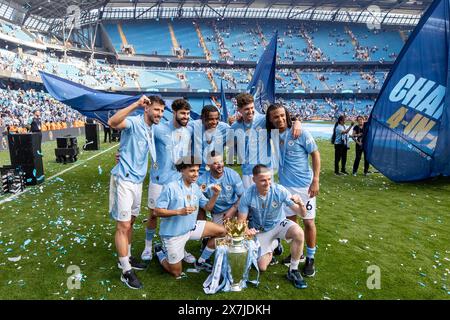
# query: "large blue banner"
{"points": [[93, 103], [408, 129], [262, 86], [89, 102]]}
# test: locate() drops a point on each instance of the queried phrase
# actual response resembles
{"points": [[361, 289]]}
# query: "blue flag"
{"points": [[89, 102], [223, 103], [93, 103], [262, 86], [408, 134]]}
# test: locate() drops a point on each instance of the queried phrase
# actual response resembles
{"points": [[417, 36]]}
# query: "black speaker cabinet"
{"points": [[66, 142], [92, 137], [25, 152]]}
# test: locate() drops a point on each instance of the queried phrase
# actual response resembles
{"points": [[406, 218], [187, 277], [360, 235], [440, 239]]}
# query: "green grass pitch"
{"points": [[361, 221]]}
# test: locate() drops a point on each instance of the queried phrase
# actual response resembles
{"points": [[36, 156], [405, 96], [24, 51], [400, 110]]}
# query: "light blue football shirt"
{"points": [[252, 155], [340, 138], [294, 169], [232, 189], [265, 214], [176, 195], [205, 141], [135, 144], [171, 144]]}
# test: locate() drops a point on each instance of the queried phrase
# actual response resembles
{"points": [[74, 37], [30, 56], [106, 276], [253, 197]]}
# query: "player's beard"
{"points": [[153, 120], [220, 170], [180, 123]]}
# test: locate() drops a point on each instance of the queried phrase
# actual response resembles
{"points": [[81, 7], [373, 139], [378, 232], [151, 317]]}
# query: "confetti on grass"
{"points": [[15, 259]]}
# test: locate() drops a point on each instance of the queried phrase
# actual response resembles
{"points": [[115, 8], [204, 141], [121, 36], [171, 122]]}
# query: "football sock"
{"points": [[206, 254], [310, 252], [125, 263], [294, 264]]}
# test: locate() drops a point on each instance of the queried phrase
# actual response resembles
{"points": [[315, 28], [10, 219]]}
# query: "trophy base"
{"points": [[236, 288]]}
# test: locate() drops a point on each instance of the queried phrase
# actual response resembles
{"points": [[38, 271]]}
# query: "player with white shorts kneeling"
{"points": [[231, 188], [172, 141], [262, 204], [177, 208]]}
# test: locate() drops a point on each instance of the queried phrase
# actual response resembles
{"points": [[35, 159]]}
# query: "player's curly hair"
{"points": [[273, 107], [180, 104], [206, 110], [187, 162]]}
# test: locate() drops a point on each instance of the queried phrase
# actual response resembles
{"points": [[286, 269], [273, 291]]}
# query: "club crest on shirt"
{"points": [[291, 143], [203, 187], [274, 204], [228, 187], [142, 144]]}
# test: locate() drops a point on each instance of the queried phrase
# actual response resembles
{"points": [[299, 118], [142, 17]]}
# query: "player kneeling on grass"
{"points": [[262, 204], [177, 206], [231, 186]]}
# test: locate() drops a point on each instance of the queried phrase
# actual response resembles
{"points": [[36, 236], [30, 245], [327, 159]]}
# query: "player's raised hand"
{"points": [[297, 200], [144, 101], [216, 189]]}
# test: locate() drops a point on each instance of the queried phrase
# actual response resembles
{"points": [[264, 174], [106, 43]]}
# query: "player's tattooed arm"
{"points": [[160, 212], [314, 187], [216, 189]]}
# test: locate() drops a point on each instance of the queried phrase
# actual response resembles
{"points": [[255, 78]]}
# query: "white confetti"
{"points": [[15, 259]]}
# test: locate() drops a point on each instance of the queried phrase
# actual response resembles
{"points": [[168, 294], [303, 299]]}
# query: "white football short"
{"points": [[310, 203], [279, 231], [174, 246], [154, 191], [124, 199]]}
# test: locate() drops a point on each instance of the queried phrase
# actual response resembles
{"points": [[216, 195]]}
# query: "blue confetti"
{"points": [[59, 179], [422, 284], [100, 171]]}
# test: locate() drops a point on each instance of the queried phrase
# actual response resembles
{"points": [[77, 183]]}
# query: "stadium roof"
{"points": [[401, 5], [42, 14], [58, 8]]}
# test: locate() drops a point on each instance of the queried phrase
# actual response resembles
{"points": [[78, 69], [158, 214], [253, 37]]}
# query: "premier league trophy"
{"points": [[237, 252]]}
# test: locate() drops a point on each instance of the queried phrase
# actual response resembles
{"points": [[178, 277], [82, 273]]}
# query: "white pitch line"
{"points": [[55, 175]]}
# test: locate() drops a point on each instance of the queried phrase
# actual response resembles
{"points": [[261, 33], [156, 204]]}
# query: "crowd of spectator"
{"points": [[18, 106]]}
